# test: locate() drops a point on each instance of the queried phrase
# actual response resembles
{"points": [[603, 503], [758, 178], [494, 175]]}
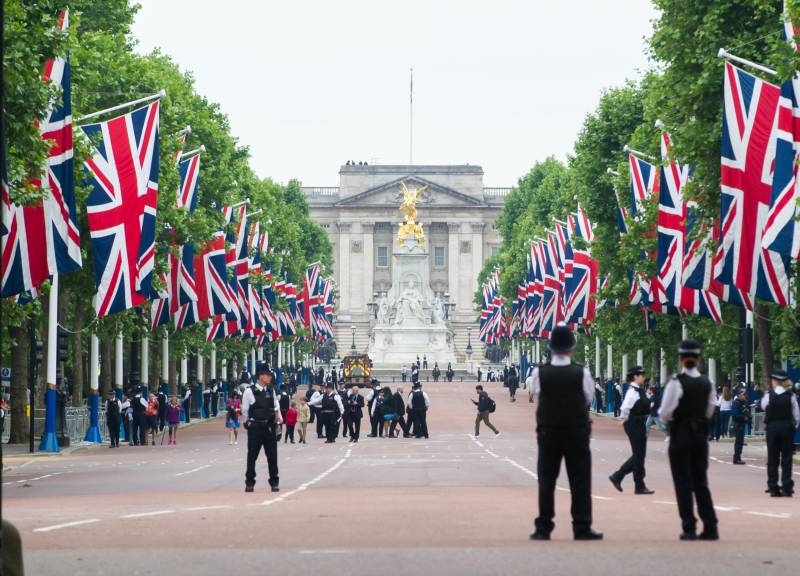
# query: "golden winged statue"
{"points": [[409, 207]]}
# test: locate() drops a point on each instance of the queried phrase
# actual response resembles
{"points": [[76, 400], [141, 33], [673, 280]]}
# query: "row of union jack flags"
{"points": [[560, 284], [225, 281]]}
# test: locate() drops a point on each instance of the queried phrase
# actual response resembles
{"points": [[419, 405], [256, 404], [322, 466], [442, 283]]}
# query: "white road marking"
{"points": [[667, 502], [66, 525], [782, 515], [727, 508], [201, 508], [144, 514], [308, 484], [193, 470], [490, 453], [601, 497]]}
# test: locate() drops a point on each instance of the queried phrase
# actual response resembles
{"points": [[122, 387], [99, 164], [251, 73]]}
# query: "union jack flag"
{"points": [[748, 149], [644, 181], [552, 287], [189, 170], [43, 239], [121, 207]]}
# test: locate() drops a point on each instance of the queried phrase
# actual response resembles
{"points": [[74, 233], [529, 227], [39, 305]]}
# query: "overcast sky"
{"points": [[308, 85]]}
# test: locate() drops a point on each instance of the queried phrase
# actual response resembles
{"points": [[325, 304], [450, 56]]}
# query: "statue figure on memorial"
{"points": [[383, 311], [438, 310], [409, 305], [409, 207]]}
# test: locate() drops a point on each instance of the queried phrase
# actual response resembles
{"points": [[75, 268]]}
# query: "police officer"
{"points": [[565, 391], [331, 410], [687, 404], [635, 410], [740, 414], [419, 402], [261, 415], [781, 418], [355, 412]]}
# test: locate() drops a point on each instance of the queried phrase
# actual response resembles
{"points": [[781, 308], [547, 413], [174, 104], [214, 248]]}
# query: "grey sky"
{"points": [[309, 85]]}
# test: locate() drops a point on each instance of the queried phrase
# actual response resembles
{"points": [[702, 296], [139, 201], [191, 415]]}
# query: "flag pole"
{"points": [[728, 56], [158, 96], [245, 201], [630, 150], [49, 443], [190, 153], [411, 118]]}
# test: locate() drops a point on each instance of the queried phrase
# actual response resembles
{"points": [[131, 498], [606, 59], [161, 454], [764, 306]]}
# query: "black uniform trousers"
{"points": [[261, 436], [374, 420], [411, 422], [399, 419], [345, 425], [738, 441], [571, 445], [420, 422], [354, 427], [113, 431], [329, 419], [320, 423], [637, 435], [186, 408], [780, 440], [688, 461]]}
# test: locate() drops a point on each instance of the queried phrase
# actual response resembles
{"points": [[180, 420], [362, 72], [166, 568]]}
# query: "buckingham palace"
{"points": [[361, 215]]}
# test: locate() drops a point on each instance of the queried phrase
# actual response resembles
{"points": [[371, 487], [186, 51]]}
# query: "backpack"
{"points": [[492, 404], [152, 407]]}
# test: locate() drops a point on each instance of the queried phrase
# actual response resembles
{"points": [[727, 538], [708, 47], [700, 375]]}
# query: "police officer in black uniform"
{"points": [[331, 410], [781, 418], [565, 391], [262, 417], [635, 410], [419, 402], [687, 404]]}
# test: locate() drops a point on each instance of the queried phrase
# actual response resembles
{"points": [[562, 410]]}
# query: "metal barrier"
{"points": [[77, 422]]}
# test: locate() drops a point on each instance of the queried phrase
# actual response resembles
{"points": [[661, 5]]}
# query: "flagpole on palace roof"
{"points": [[411, 118], [158, 96], [728, 56]]}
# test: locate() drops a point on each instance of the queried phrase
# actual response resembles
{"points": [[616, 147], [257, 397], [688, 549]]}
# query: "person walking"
{"points": [[126, 415], [781, 418], [485, 407], [173, 420], [345, 422], [355, 413], [399, 405], [187, 401], [139, 427], [303, 414], [214, 397], [565, 391], [740, 414], [615, 386], [634, 411], [725, 405], [688, 402], [512, 379], [206, 394], [331, 410], [404, 373], [313, 405], [151, 418], [162, 410], [113, 410], [233, 410], [262, 417]]}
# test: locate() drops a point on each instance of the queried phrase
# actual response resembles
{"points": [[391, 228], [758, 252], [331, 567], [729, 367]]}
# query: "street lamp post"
{"points": [[353, 345], [469, 348]]}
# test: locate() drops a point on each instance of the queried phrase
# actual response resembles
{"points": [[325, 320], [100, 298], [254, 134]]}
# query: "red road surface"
{"points": [[452, 504]]}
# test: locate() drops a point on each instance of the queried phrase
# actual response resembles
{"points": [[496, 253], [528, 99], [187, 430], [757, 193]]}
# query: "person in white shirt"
{"points": [[634, 411], [782, 416], [331, 411], [261, 415]]}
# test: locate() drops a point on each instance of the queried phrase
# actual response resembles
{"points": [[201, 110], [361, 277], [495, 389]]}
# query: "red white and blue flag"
{"points": [[121, 207]]}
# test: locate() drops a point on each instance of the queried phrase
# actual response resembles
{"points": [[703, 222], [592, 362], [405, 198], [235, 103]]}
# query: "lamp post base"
{"points": [[49, 443]]}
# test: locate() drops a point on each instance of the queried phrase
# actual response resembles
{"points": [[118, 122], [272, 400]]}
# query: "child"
{"points": [[303, 414], [234, 409], [173, 419], [291, 421]]}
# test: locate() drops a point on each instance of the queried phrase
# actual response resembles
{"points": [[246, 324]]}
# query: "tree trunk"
{"points": [[761, 317], [19, 383], [78, 375]]}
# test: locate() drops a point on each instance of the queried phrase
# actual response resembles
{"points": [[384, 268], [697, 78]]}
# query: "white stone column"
{"points": [[453, 232], [145, 366], [609, 362], [213, 365], [345, 284], [624, 373], [184, 370], [597, 359], [165, 358], [475, 255], [368, 259], [663, 372], [201, 372], [712, 371], [640, 357]]}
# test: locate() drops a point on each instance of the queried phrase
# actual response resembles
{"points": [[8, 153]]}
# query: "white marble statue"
{"points": [[383, 311], [438, 310], [409, 305]]}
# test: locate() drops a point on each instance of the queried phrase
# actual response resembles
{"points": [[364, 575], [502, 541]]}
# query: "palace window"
{"points": [[438, 257], [383, 257], [494, 250]]}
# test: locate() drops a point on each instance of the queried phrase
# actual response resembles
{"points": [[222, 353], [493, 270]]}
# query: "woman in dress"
{"points": [[234, 410]]}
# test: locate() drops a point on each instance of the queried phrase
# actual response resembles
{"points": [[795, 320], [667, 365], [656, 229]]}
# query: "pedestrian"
{"points": [[424, 362], [436, 373], [617, 396], [565, 391], [373, 396], [214, 397], [206, 402], [345, 423], [262, 419], [162, 410], [399, 406], [781, 418], [479, 374], [303, 412], [485, 407], [512, 379], [313, 404], [284, 401], [113, 410], [725, 406], [355, 413], [388, 414], [598, 398], [233, 410], [404, 373], [173, 420], [187, 400], [291, 422], [331, 411], [634, 411], [151, 415], [139, 424], [688, 402], [419, 402], [740, 414], [126, 415]]}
